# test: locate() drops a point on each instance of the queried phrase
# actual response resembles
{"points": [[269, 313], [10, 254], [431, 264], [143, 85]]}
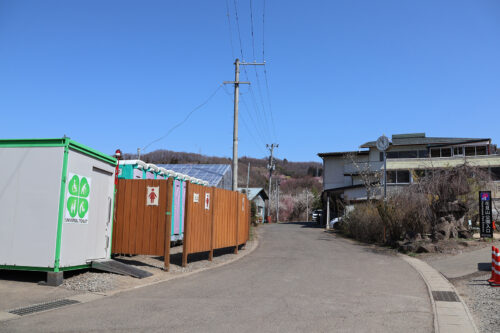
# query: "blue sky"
{"points": [[120, 74]]}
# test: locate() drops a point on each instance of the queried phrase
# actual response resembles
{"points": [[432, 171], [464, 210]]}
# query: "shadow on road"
{"points": [[303, 224], [22, 276]]}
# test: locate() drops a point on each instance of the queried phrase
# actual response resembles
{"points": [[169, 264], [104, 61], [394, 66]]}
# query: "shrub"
{"points": [[364, 223]]}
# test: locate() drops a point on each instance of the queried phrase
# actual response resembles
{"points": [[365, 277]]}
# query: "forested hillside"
{"points": [[300, 182]]}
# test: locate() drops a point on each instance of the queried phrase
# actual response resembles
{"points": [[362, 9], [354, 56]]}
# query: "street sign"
{"points": [[152, 195], [485, 214], [207, 201], [382, 143]]}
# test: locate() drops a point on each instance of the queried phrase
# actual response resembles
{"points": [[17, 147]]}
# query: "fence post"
{"points": [[168, 225], [187, 217], [248, 208], [238, 208], [211, 254]]}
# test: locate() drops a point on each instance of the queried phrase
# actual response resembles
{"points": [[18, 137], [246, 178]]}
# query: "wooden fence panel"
{"points": [[139, 228], [225, 218], [198, 223], [243, 218]]}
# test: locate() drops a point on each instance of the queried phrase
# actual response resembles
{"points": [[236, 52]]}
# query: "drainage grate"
{"points": [[445, 296], [42, 307]]}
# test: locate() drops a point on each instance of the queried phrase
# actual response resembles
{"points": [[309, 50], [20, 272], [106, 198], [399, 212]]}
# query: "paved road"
{"points": [[464, 263], [299, 279]]}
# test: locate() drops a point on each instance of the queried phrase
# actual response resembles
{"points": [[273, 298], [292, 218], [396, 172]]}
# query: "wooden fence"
{"points": [[214, 218], [139, 227]]}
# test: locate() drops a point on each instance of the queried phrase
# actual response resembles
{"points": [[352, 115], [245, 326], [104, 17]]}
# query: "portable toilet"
{"points": [[151, 171], [132, 169], [56, 206], [162, 174]]}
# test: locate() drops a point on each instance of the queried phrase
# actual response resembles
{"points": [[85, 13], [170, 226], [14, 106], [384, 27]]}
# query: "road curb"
{"points": [[449, 316]]}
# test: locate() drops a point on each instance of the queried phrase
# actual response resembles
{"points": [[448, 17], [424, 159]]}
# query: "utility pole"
{"points": [[307, 205], [138, 153], [271, 166], [278, 200], [237, 83], [248, 177]]}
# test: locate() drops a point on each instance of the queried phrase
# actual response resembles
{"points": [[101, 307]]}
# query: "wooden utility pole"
{"points": [[248, 179], [237, 83], [307, 205], [271, 166], [278, 200]]}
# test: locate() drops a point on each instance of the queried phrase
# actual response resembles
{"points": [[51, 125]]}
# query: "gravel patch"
{"points": [[96, 281], [483, 301], [90, 281]]}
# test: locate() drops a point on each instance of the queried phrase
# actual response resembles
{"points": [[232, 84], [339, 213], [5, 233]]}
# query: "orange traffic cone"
{"points": [[493, 258], [496, 267]]}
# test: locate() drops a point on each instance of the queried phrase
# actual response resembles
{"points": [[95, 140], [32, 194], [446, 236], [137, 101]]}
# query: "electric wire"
{"points": [[229, 26], [185, 119], [258, 130], [246, 125], [257, 110], [265, 67]]}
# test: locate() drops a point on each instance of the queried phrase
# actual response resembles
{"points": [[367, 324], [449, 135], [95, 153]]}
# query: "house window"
{"points": [[392, 154], [445, 152], [408, 154], [435, 152], [481, 150], [470, 151], [423, 153], [398, 177], [458, 151], [403, 176], [391, 177]]}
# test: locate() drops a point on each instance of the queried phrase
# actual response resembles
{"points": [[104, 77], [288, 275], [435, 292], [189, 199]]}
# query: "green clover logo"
{"points": [[79, 190]]}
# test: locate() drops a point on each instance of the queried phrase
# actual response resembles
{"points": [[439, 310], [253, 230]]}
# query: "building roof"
{"points": [[253, 192], [420, 139], [342, 153], [212, 173]]}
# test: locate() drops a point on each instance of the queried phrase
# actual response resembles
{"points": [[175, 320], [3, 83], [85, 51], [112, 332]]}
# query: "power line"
{"points": [[246, 125], [185, 119], [239, 33], [265, 70], [254, 99], [229, 25]]}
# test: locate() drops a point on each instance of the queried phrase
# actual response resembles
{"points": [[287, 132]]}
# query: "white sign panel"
{"points": [[196, 197], [152, 195], [77, 199], [207, 201]]}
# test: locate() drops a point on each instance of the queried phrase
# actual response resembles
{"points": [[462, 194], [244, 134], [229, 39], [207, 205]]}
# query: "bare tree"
{"points": [[370, 177]]}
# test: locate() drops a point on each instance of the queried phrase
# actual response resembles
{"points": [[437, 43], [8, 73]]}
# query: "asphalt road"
{"points": [[299, 279]]}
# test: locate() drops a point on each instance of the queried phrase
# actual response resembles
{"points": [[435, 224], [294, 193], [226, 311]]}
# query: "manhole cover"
{"points": [[445, 296], [42, 307]]}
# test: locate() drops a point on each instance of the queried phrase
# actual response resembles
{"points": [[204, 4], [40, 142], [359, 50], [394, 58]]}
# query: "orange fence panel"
{"points": [[141, 221]]}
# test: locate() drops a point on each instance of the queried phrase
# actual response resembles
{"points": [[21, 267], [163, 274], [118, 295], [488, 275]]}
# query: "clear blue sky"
{"points": [[120, 74]]}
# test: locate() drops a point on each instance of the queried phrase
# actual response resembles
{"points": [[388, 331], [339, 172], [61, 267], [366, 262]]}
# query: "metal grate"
{"points": [[42, 307], [445, 296]]}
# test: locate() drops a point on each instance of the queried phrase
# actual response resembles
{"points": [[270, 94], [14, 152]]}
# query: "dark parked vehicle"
{"points": [[316, 215]]}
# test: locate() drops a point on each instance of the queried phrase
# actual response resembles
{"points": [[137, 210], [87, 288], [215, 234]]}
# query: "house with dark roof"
{"points": [[346, 173], [258, 196]]}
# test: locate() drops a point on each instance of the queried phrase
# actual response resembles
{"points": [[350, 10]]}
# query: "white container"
{"points": [[56, 204]]}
